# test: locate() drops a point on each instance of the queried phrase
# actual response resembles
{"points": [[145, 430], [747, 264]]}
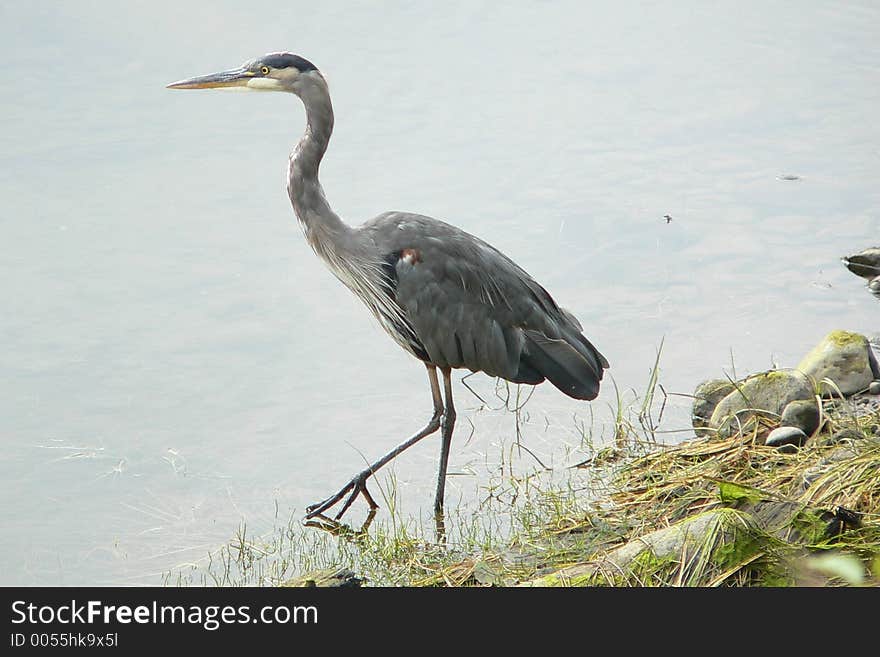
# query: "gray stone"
{"points": [[874, 286], [874, 354], [706, 398], [803, 414], [826, 464], [767, 393], [842, 357], [843, 436], [782, 436], [327, 578], [685, 540], [865, 264], [874, 388]]}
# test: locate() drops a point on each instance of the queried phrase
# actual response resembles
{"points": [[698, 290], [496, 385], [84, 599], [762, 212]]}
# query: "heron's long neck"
{"points": [[350, 257], [326, 232]]}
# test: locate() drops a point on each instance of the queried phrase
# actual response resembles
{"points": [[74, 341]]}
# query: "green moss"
{"points": [[736, 552], [648, 565], [732, 493], [646, 569], [845, 338], [773, 577], [809, 527]]}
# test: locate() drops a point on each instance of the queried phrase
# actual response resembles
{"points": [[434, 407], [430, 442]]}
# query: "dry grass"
{"points": [[746, 515]]}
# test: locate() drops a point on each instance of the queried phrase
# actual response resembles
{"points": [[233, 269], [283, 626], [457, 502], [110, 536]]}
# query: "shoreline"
{"points": [[727, 507]]}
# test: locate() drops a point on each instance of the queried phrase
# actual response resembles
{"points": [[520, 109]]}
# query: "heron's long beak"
{"points": [[236, 77]]}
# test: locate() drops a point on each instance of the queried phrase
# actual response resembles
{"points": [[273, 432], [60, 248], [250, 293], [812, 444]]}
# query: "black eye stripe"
{"points": [[286, 60]]}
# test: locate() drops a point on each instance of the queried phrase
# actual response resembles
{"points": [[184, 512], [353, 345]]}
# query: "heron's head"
{"points": [[278, 71]]}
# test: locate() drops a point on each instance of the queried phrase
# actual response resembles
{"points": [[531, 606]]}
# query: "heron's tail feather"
{"points": [[573, 366]]}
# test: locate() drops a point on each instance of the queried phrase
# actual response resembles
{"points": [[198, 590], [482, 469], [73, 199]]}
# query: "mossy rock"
{"points": [[766, 394], [841, 357], [706, 398], [694, 547]]}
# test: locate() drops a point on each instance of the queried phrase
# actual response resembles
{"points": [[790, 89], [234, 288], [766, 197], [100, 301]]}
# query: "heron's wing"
{"points": [[473, 307]]}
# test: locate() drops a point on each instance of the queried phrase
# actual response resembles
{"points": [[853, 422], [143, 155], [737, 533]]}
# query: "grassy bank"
{"points": [[703, 512]]}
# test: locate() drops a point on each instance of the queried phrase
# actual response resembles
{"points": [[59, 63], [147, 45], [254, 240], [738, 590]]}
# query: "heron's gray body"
{"points": [[447, 297], [467, 305]]}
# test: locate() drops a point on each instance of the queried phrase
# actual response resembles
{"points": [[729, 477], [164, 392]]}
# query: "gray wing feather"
{"points": [[473, 307]]}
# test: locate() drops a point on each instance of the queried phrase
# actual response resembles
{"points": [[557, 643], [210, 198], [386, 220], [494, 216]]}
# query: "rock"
{"points": [[706, 398], [803, 414], [785, 436], [704, 536], [843, 358], [874, 388], [865, 264], [826, 464], [838, 456], [842, 412], [874, 354], [874, 286], [330, 577], [843, 436], [768, 393]]}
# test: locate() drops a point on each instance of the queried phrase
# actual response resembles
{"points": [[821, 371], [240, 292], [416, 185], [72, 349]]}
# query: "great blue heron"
{"points": [[447, 297]]}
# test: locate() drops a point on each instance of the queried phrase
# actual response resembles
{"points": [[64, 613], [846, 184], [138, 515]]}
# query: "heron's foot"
{"points": [[338, 528], [355, 487]]}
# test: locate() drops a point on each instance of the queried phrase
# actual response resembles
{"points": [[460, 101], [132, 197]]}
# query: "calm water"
{"points": [[175, 359]]}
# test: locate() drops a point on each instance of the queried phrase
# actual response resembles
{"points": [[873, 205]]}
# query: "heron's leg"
{"points": [[358, 485], [447, 424]]}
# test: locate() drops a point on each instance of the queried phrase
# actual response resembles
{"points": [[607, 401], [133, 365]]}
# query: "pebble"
{"points": [[874, 388], [783, 436], [803, 414]]}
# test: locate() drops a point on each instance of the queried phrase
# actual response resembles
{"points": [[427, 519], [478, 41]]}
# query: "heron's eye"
{"points": [[264, 70]]}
